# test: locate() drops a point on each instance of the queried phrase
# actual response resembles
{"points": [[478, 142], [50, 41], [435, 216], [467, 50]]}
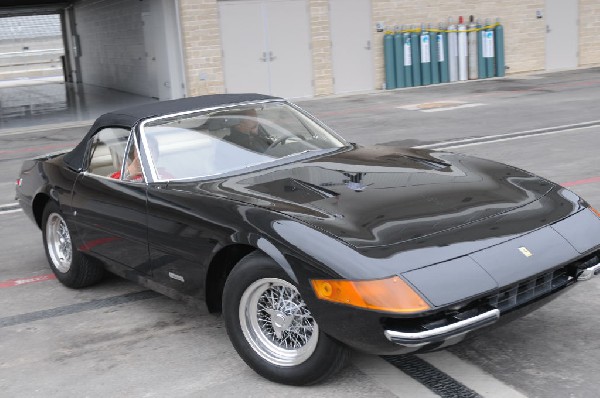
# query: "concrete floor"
{"points": [[61, 342], [34, 102]]}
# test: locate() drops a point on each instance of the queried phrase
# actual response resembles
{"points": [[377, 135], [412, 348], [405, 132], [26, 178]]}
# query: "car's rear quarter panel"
{"points": [[42, 179]]}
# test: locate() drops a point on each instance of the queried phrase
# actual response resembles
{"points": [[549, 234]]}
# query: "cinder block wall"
{"points": [[589, 32], [201, 37], [321, 47], [524, 35], [112, 43]]}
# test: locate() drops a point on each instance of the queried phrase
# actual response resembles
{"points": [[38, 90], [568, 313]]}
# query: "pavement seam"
{"points": [[519, 137], [495, 137], [77, 308]]}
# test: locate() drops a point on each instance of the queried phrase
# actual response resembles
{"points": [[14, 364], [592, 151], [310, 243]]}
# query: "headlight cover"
{"points": [[392, 294]]}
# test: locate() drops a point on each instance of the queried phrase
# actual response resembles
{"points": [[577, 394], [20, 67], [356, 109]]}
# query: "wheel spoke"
{"points": [[279, 325], [58, 242]]}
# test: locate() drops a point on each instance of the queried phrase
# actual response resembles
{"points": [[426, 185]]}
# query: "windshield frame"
{"points": [[152, 176]]}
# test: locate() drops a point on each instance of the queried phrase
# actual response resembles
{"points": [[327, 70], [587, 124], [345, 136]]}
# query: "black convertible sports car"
{"points": [[308, 244]]}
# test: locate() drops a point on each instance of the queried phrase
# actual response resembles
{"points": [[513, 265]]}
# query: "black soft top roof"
{"points": [[129, 117]]}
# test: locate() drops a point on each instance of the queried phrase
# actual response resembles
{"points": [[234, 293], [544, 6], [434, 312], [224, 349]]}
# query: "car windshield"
{"points": [[207, 144]]}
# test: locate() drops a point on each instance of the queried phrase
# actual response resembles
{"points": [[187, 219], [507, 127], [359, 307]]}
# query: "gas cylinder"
{"points": [[488, 50], [408, 80], [416, 57], [463, 51], [388, 52], [481, 67], [452, 51], [500, 64], [425, 56], [435, 63], [442, 40], [399, 57], [473, 58]]}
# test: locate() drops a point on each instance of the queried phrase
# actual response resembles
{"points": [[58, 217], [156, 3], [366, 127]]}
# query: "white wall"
{"points": [[123, 46]]}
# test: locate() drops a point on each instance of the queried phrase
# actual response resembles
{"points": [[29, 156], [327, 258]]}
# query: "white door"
{"points": [[289, 48], [561, 34], [244, 48], [266, 47], [351, 43]]}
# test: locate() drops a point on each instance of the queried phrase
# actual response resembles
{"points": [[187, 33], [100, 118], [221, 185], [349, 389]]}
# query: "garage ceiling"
{"points": [[11, 8]]}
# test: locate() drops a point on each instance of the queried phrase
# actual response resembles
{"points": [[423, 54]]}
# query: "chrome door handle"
{"points": [[264, 57], [547, 28], [271, 57], [368, 47]]}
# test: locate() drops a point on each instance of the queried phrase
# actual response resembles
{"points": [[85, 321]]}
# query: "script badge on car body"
{"points": [[525, 251]]}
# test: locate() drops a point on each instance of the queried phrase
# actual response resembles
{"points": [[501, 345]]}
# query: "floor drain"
{"points": [[432, 378]]}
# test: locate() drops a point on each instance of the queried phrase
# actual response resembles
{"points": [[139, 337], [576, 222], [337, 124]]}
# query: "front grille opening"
{"points": [[533, 288]]}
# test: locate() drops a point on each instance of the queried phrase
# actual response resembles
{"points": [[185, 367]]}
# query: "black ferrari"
{"points": [[307, 244]]}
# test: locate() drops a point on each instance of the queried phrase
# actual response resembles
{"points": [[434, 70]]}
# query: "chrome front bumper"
{"points": [[419, 339], [460, 328], [590, 272]]}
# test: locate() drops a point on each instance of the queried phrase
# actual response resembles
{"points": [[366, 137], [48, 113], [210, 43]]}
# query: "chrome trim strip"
{"points": [[204, 110], [589, 273], [418, 339]]}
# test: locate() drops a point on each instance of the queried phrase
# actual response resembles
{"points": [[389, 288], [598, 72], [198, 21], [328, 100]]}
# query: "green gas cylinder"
{"points": [[388, 56], [415, 46], [399, 58], [499, 41]]}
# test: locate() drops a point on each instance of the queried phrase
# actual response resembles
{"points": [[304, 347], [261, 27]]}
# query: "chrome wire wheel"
{"points": [[276, 322], [58, 242]]}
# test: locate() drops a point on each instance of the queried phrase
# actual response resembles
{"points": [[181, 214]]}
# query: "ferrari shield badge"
{"points": [[525, 251]]}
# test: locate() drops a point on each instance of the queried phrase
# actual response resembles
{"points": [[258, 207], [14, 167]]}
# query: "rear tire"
{"points": [[71, 267], [271, 328]]}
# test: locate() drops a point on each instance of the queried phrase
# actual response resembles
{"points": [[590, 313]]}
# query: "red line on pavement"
{"points": [[581, 182], [26, 281]]}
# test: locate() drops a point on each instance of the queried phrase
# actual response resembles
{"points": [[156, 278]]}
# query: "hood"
{"points": [[379, 196]]}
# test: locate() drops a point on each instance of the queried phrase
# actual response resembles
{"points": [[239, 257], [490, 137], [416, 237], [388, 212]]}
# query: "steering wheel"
{"points": [[278, 141]]}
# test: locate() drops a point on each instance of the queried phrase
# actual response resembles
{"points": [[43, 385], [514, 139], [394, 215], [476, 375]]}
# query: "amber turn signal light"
{"points": [[596, 212], [390, 294]]}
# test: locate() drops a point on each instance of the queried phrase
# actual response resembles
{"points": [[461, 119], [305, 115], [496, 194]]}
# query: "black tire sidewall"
{"points": [[82, 272], [329, 355]]}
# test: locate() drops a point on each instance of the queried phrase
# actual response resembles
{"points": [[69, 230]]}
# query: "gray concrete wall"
{"points": [[113, 53]]}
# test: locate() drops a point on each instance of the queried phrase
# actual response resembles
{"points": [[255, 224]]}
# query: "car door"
{"points": [[110, 208], [185, 225], [184, 229]]}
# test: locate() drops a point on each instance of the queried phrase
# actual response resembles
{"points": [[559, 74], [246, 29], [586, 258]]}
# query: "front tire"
{"points": [[72, 268], [272, 329]]}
